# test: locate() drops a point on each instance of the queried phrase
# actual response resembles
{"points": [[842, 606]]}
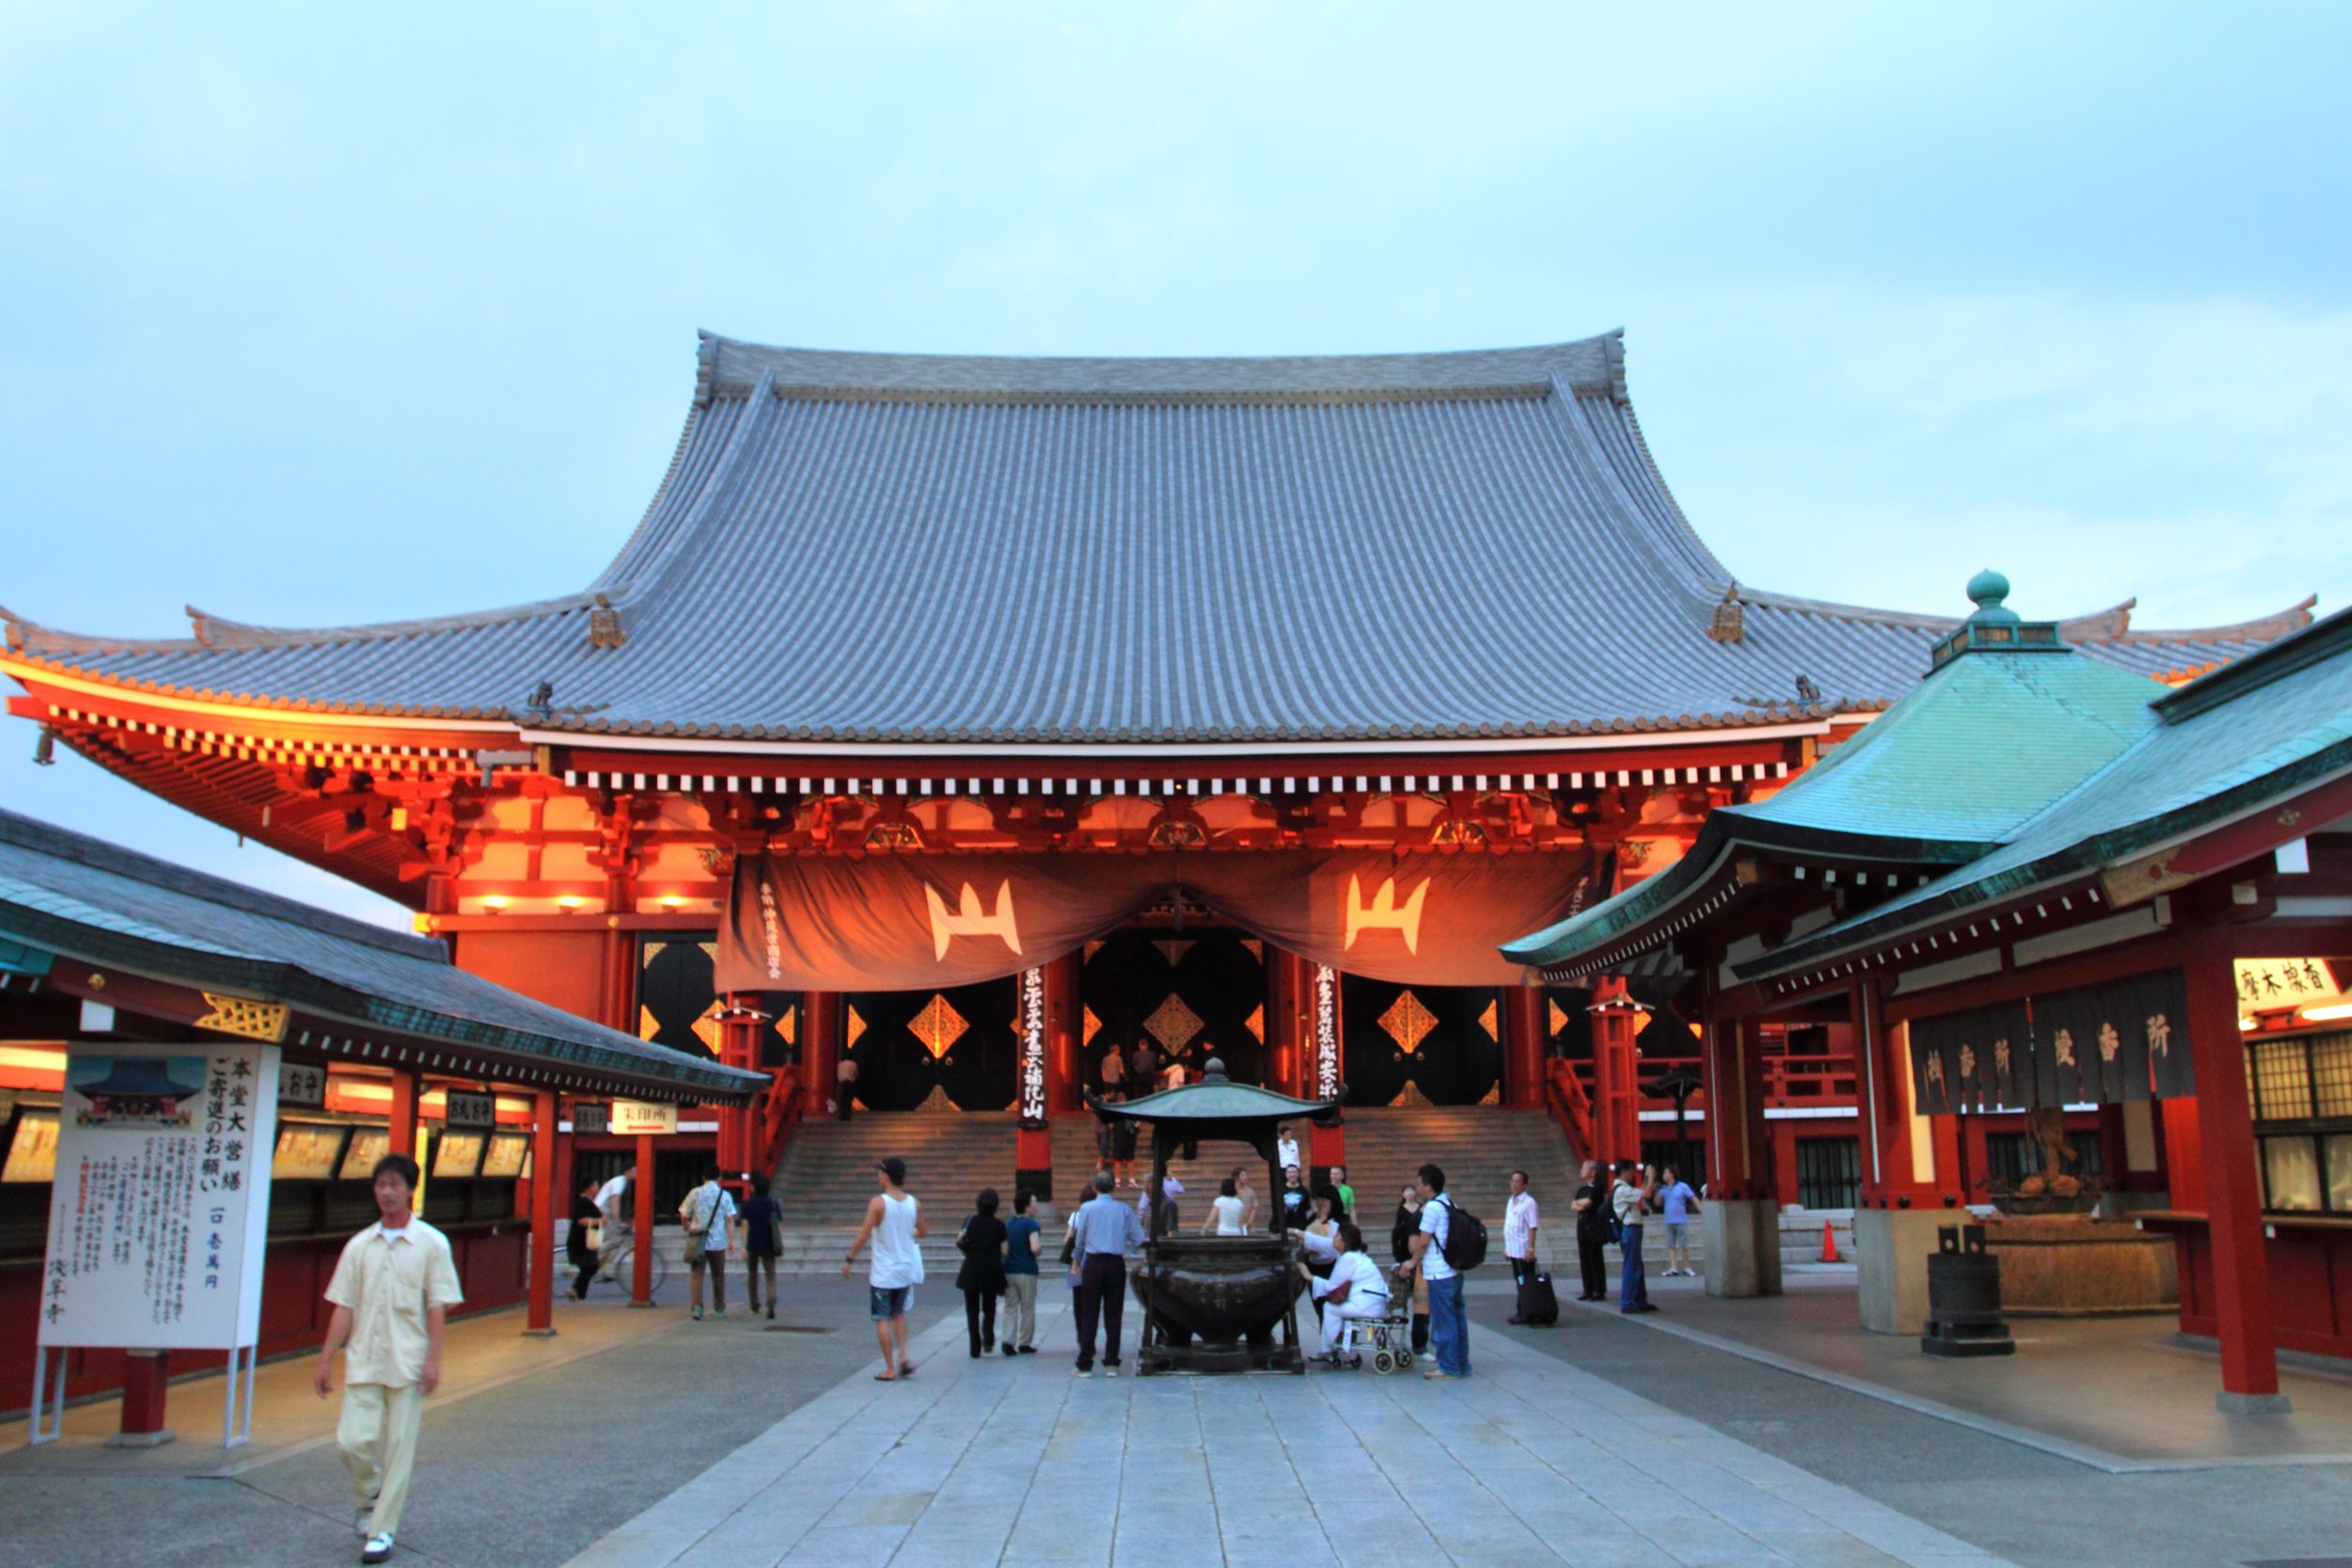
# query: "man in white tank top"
{"points": [[895, 1222]]}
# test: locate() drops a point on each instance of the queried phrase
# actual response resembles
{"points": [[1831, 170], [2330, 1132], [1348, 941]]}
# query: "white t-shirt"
{"points": [[896, 1260], [609, 1198], [1519, 1224], [1228, 1216], [1287, 1154], [1433, 1224]]}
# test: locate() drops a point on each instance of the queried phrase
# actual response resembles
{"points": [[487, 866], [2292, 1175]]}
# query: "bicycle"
{"points": [[619, 1269]]}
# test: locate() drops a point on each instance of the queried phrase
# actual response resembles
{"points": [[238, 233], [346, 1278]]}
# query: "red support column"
{"points": [[540, 1313], [1289, 999], [1064, 1023], [402, 1115], [146, 1379], [642, 1253], [1738, 1148], [1523, 1039], [1032, 1147], [2233, 1200], [738, 1046], [820, 1018], [1616, 1086]]}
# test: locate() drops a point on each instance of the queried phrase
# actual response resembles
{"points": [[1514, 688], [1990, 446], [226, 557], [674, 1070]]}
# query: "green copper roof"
{"points": [[1994, 736], [1215, 1098], [2267, 727], [1981, 745]]}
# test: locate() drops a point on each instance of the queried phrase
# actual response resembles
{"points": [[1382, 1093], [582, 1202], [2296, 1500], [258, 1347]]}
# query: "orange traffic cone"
{"points": [[1828, 1243]]}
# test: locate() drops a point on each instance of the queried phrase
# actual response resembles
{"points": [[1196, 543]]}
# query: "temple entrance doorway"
{"points": [[1195, 992], [945, 1050], [1420, 1044]]}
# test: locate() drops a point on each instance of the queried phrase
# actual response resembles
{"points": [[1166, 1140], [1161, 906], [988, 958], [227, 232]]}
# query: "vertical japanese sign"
{"points": [[161, 1201], [1032, 1032], [1326, 1032]]}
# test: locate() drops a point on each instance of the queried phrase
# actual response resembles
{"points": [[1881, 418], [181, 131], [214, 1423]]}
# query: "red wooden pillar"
{"points": [[1288, 1000], [1883, 1096], [1616, 1086], [641, 1251], [821, 1017], [1739, 1149], [146, 1379], [401, 1114], [2233, 1198], [1064, 1023], [738, 1046], [539, 1312], [1032, 1147], [1523, 1040]]}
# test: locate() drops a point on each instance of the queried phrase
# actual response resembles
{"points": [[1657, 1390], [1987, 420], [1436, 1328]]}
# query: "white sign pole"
{"points": [[159, 1213]]}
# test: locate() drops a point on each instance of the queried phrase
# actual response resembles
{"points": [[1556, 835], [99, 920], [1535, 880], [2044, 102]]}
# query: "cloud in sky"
{"points": [[326, 314]]}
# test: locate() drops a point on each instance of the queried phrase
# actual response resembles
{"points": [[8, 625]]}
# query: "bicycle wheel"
{"points": [[660, 1275]]}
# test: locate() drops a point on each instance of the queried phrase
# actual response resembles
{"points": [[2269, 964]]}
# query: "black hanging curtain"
{"points": [[2096, 1045]]}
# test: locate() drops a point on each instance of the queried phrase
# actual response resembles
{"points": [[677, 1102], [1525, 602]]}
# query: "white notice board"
{"points": [[162, 1203]]}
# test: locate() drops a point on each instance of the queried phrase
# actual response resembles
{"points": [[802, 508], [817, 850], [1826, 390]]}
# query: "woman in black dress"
{"points": [[982, 1277]]}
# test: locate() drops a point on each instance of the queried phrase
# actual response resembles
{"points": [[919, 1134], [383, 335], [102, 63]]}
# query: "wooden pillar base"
{"points": [[538, 1333], [146, 1383], [2252, 1404]]}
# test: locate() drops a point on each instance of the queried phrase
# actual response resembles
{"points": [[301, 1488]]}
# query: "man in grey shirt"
{"points": [[1104, 1232]]}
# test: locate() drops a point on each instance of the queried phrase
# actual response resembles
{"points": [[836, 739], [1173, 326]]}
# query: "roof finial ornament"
{"points": [[1730, 622], [1806, 691], [604, 625], [542, 703], [1988, 588]]}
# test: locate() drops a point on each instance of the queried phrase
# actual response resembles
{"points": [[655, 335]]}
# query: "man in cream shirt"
{"points": [[392, 1291]]}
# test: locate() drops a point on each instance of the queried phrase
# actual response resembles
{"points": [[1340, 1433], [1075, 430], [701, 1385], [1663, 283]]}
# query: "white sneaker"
{"points": [[378, 1549]]}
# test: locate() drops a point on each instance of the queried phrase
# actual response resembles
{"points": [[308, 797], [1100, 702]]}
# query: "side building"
{"points": [[384, 1046]]}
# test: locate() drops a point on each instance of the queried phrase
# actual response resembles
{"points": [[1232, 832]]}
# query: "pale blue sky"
{"points": [[327, 313]]}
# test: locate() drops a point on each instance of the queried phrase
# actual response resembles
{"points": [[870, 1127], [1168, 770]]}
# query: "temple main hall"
{"points": [[971, 718]]}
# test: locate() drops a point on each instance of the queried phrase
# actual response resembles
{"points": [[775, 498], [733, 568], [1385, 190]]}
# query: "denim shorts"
{"points": [[1678, 1233], [889, 1300]]}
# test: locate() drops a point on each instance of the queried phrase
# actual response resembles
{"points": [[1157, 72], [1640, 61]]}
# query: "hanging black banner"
{"points": [[1972, 1060], [2125, 1040], [2096, 1045]]}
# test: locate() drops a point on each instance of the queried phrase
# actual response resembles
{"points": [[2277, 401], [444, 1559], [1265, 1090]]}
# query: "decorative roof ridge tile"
{"points": [[1528, 391], [2110, 626], [219, 634], [1596, 364]]}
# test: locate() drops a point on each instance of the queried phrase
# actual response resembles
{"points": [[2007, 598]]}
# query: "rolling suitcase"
{"points": [[1538, 1306]]}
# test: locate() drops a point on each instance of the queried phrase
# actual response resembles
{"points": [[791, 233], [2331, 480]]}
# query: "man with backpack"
{"points": [[1450, 1242], [707, 1214]]}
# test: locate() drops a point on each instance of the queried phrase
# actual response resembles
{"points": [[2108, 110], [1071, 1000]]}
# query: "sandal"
{"points": [[884, 1377]]}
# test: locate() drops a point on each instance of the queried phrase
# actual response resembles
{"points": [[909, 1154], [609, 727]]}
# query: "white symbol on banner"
{"points": [[1382, 913], [969, 920]]}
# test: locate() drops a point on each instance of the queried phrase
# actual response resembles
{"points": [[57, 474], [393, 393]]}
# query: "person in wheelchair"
{"points": [[1355, 1289]]}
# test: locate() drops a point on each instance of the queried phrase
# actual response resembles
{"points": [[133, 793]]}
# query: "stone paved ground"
{"points": [[974, 1462], [2022, 1503]]}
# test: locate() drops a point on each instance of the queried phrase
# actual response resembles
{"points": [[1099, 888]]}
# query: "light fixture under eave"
{"points": [[495, 901], [2328, 1014], [2246, 1024], [671, 901], [569, 901]]}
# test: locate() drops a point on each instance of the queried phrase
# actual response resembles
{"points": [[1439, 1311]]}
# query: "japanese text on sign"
{"points": [[1326, 1032], [1033, 1023], [161, 1197]]}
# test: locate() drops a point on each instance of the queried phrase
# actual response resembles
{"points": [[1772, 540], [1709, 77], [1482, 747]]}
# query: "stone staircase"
{"points": [[827, 1175], [826, 1178]]}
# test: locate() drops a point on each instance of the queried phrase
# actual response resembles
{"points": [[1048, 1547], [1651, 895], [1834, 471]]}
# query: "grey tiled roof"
{"points": [[902, 547], [77, 897]]}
